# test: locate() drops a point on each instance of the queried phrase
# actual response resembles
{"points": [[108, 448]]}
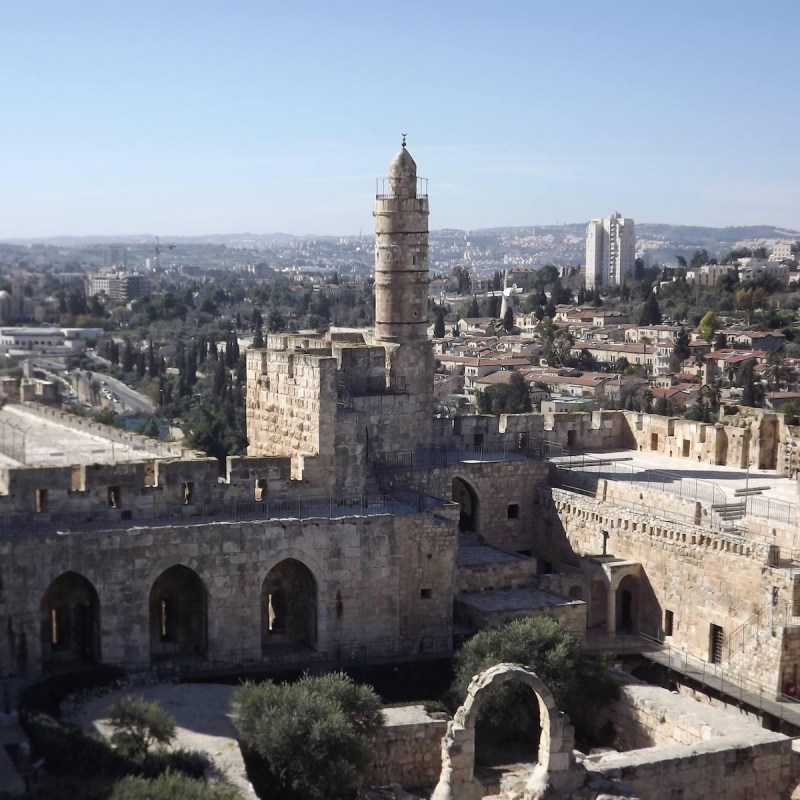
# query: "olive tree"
{"points": [[315, 734], [139, 724], [578, 680]]}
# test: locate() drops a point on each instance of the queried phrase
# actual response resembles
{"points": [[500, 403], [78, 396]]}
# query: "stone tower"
{"points": [[401, 286]]}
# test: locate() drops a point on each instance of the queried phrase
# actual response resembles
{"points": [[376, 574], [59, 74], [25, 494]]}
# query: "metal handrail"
{"points": [[400, 501]]}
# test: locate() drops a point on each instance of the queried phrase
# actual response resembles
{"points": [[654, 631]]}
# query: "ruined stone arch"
{"points": [[555, 756], [292, 613], [178, 614], [70, 621], [465, 494]]}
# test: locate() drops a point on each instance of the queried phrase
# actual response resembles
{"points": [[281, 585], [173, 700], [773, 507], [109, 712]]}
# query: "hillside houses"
{"points": [[602, 360]]}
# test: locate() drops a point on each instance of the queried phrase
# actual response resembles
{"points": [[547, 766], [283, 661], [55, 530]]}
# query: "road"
{"points": [[130, 401]]}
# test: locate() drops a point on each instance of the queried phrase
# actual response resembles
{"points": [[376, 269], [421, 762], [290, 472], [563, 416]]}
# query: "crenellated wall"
{"points": [[33, 498]]}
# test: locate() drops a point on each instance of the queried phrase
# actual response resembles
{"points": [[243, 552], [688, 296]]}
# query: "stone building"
{"points": [[359, 525]]}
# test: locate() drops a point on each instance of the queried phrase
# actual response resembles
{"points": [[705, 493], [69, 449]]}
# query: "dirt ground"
{"points": [[203, 722]]}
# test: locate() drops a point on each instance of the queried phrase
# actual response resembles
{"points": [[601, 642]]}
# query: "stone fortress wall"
{"points": [[384, 580], [321, 540]]}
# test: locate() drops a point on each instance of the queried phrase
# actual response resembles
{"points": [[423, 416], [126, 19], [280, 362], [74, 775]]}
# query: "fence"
{"points": [[433, 457], [400, 501], [714, 676], [696, 489], [656, 480], [579, 484], [301, 657], [771, 614]]}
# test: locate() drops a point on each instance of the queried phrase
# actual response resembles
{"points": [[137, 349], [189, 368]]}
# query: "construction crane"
{"points": [[157, 264], [158, 246]]}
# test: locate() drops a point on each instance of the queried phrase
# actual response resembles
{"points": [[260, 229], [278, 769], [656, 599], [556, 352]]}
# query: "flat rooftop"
{"points": [[27, 439], [639, 467]]}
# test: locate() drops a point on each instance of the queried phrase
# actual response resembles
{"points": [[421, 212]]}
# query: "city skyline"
{"points": [[192, 121]]}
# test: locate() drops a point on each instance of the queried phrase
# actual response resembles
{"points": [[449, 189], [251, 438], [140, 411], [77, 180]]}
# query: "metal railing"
{"points": [[666, 482], [771, 614], [739, 689], [771, 508], [401, 501], [384, 189], [656, 480], [299, 657], [432, 457], [571, 482]]}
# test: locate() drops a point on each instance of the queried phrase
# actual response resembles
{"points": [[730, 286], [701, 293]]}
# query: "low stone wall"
{"points": [[107, 432], [679, 747], [408, 749], [502, 575], [648, 716], [738, 767]]}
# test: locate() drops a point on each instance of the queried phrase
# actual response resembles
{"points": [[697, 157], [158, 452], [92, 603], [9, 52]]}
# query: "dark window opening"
{"points": [[165, 620], [425, 594], [477, 440], [275, 618], [669, 622], [40, 500], [57, 632], [513, 511], [113, 497], [717, 638]]}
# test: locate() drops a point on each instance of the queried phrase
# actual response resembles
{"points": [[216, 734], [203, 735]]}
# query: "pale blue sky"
{"points": [[177, 117]]}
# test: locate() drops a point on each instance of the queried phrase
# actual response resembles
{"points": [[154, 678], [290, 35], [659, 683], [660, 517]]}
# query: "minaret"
{"points": [[401, 253], [401, 290]]}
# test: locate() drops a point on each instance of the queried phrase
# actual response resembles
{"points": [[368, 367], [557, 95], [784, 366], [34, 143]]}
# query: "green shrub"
{"points": [[578, 681], [171, 786], [316, 734], [69, 751], [139, 724], [190, 763]]}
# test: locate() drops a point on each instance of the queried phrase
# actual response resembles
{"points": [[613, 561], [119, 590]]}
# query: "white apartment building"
{"points": [[782, 251], [610, 250], [709, 274], [752, 268]]}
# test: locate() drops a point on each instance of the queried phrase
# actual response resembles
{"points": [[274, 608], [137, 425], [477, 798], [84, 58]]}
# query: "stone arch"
{"points": [[463, 493], [324, 604], [178, 614], [555, 756], [289, 606], [70, 622]]}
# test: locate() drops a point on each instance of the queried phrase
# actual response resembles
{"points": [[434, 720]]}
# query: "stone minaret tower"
{"points": [[401, 286]]}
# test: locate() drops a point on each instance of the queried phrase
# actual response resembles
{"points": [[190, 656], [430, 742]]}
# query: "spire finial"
{"points": [[404, 140]]}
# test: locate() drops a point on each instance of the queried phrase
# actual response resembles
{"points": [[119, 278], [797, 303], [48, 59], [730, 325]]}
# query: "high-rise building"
{"points": [[610, 250]]}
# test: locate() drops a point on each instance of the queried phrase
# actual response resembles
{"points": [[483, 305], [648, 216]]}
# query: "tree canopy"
{"points": [[505, 398], [650, 313], [315, 734], [708, 325], [543, 644]]}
